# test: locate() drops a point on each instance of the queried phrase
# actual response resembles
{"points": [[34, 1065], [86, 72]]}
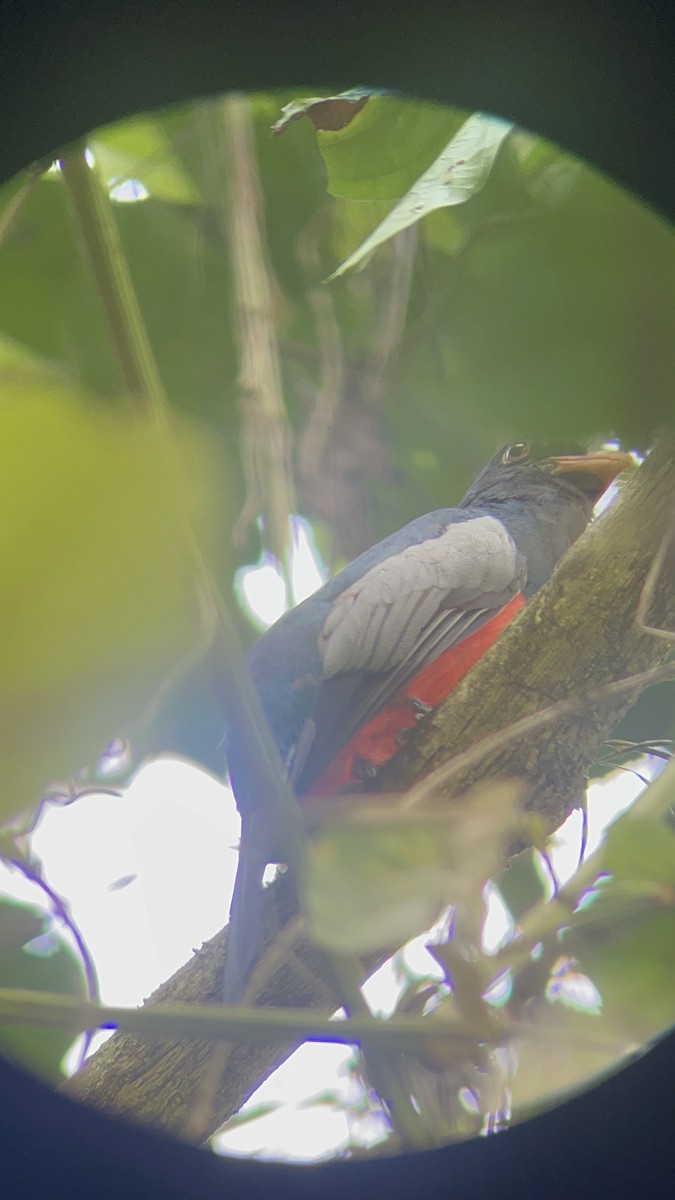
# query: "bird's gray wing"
{"points": [[399, 617]]}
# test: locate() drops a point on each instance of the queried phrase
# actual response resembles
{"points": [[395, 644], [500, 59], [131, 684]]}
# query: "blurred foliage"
{"points": [[376, 882], [543, 305], [34, 957], [521, 883], [583, 978], [98, 601]]}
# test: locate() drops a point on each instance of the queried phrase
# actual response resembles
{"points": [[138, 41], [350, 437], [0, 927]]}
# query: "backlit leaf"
{"points": [[459, 172], [97, 599]]}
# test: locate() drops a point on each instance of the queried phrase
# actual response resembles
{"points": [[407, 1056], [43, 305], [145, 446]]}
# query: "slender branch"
{"points": [[13, 207], [269, 1026], [194, 1021], [139, 370], [663, 565], [392, 315], [63, 914], [266, 438], [331, 356], [103, 248]]}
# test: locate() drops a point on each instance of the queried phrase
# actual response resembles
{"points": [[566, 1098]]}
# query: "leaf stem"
{"points": [[13, 207], [103, 248], [268, 1026]]}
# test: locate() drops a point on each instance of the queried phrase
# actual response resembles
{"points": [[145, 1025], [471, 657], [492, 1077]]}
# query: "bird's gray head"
{"points": [[523, 470]]}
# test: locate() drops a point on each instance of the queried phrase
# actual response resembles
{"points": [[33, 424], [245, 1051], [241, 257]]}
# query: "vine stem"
{"points": [[103, 248], [268, 1026]]}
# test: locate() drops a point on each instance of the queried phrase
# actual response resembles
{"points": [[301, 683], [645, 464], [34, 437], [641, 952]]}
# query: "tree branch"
{"points": [[577, 634], [266, 436]]}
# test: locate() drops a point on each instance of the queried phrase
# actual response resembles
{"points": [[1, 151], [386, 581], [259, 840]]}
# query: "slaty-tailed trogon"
{"points": [[343, 674]]}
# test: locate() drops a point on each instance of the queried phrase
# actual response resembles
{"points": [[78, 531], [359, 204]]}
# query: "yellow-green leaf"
{"points": [[97, 599]]}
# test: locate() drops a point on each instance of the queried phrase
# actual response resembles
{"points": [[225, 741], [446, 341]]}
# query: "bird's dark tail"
{"points": [[245, 934]]}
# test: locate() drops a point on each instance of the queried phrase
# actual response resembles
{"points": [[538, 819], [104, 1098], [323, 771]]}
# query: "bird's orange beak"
{"points": [[604, 465]]}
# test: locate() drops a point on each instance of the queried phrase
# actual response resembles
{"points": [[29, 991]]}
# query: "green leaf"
{"points": [[97, 602], [33, 956], [459, 172], [543, 319], [638, 850], [381, 880], [140, 149], [386, 147], [48, 302], [369, 890]]}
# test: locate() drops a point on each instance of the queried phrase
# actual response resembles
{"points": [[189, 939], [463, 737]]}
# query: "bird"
{"points": [[343, 676]]}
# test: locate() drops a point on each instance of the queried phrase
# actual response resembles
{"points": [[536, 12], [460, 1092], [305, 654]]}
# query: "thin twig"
{"points": [[533, 723], [666, 548], [13, 207], [62, 912], [268, 1026], [112, 276], [392, 313], [331, 355], [188, 1022], [266, 437], [103, 248], [546, 917]]}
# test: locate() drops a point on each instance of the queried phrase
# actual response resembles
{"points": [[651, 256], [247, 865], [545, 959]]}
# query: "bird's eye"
{"points": [[516, 453]]}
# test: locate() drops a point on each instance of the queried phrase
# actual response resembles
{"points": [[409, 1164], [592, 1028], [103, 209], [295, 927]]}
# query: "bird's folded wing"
{"points": [[399, 617]]}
